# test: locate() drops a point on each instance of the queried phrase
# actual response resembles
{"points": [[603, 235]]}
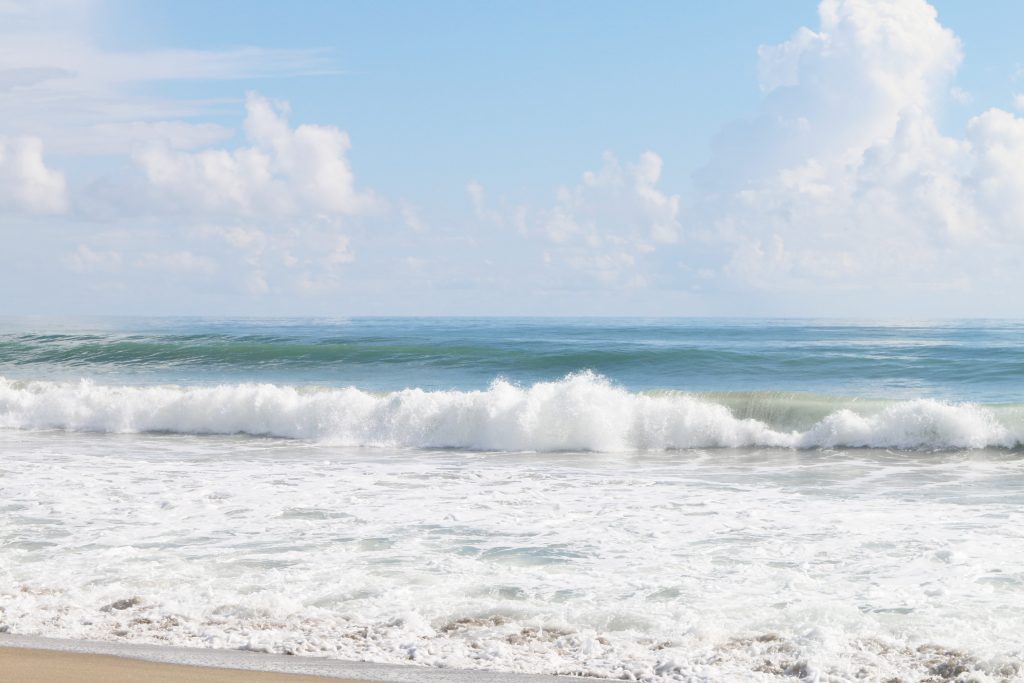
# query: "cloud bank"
{"points": [[846, 186], [844, 178]]}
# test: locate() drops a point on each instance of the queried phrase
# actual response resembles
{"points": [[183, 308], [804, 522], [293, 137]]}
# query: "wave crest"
{"points": [[580, 412]]}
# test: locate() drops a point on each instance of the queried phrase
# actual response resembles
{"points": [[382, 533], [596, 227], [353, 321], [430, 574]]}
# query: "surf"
{"points": [[583, 411]]}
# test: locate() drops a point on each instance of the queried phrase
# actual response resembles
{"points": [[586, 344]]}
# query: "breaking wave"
{"points": [[583, 411]]}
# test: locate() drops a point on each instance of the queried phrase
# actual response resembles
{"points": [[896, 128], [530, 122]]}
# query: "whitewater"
{"points": [[654, 500], [582, 412]]}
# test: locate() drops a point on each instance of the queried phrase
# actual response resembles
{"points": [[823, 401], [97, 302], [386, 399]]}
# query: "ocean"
{"points": [[634, 499]]}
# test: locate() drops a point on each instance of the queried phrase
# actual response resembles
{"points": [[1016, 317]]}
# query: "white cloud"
{"points": [[607, 222], [411, 217], [598, 232], [57, 82], [285, 171], [176, 262], [832, 93], [248, 240], [1018, 102], [960, 95], [844, 180], [607, 267], [483, 212], [660, 210], [125, 137], [26, 183], [997, 176], [615, 203], [87, 260], [341, 252]]}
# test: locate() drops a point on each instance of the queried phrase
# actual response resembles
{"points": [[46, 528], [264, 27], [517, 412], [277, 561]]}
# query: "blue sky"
{"points": [[511, 93], [855, 158]]}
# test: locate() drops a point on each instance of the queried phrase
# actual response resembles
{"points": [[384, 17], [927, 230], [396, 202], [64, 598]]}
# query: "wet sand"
{"points": [[32, 659], [27, 665]]}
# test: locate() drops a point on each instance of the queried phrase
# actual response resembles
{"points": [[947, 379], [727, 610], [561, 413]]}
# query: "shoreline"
{"points": [[30, 665], [34, 659]]}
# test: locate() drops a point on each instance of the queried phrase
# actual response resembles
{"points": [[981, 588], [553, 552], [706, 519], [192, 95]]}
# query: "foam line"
{"points": [[582, 412]]}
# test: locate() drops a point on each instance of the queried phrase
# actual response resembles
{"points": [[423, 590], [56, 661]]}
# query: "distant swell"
{"points": [[581, 412]]}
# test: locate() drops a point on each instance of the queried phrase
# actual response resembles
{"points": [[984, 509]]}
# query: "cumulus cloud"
{"points": [[997, 174], [26, 183], [278, 211], [283, 172], [279, 201], [834, 92], [605, 223], [614, 203], [844, 179]]}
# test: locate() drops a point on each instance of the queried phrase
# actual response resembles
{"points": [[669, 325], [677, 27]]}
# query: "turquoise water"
{"points": [[978, 361]]}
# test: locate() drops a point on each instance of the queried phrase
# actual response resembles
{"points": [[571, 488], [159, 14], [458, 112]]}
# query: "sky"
{"points": [[851, 158]]}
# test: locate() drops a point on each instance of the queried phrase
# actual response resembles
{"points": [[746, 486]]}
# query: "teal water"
{"points": [[978, 361]]}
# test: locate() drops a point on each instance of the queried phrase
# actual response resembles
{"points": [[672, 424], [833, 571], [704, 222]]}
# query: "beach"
{"points": [[28, 659], [46, 666]]}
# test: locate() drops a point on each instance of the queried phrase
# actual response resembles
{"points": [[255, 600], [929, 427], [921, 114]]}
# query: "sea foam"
{"points": [[582, 412]]}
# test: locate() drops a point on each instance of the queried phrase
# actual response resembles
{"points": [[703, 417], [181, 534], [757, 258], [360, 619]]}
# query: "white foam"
{"points": [[651, 567], [580, 412]]}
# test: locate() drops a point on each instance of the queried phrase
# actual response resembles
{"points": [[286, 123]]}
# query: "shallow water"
{"points": [[690, 564]]}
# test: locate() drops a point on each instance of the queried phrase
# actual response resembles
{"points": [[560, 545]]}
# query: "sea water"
{"points": [[631, 499]]}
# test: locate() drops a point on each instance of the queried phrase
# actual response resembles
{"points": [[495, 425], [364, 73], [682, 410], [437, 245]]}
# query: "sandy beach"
{"points": [[30, 659], [27, 665]]}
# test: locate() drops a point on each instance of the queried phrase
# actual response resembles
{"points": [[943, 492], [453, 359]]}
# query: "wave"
{"points": [[582, 412], [544, 351], [226, 352]]}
